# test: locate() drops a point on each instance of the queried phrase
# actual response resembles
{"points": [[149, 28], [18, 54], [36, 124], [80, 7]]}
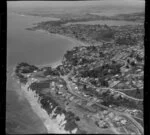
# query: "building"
{"points": [[111, 115], [71, 98], [117, 118], [123, 121], [53, 84]]}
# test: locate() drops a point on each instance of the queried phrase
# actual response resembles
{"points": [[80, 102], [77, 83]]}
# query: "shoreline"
{"points": [[73, 40], [52, 125], [13, 87], [30, 15], [53, 64]]}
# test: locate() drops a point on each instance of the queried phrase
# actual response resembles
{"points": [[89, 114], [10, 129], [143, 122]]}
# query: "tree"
{"points": [[48, 71], [104, 83]]}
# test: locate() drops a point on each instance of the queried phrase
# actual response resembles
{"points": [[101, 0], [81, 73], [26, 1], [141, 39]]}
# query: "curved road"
{"points": [[117, 112]]}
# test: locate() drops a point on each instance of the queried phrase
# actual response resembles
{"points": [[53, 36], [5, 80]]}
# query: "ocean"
{"points": [[36, 48], [33, 47]]}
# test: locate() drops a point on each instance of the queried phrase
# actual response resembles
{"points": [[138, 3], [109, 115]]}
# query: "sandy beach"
{"points": [[52, 125], [53, 64], [19, 111]]}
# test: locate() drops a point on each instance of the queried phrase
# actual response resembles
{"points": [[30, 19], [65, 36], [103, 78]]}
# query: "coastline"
{"points": [[30, 15], [18, 104], [73, 40], [82, 73], [52, 125], [52, 64]]}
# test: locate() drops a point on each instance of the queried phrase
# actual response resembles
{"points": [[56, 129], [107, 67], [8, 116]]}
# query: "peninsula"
{"points": [[98, 87]]}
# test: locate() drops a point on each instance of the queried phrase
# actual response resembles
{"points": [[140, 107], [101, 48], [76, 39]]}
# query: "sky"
{"points": [[73, 3]]}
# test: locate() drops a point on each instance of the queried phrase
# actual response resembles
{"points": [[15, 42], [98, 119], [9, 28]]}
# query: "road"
{"points": [[100, 105], [124, 94], [117, 112], [116, 91]]}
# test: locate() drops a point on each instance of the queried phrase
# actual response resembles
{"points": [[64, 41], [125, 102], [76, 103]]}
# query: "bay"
{"points": [[33, 47]]}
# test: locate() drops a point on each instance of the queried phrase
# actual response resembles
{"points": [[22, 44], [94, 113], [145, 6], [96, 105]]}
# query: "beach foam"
{"points": [[52, 125]]}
